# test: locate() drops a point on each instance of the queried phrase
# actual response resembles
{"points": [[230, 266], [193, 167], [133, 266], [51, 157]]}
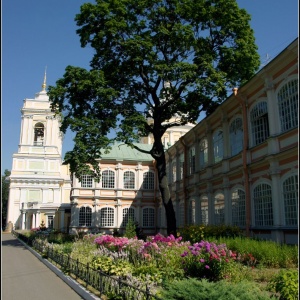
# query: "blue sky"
{"points": [[40, 33]]}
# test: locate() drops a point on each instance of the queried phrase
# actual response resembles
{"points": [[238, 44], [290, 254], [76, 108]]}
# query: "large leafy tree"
{"points": [[153, 59], [4, 196]]}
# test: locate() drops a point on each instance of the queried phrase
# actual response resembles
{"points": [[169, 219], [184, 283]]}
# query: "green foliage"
{"points": [[4, 196], [60, 238], [197, 233], [192, 288], [189, 53], [265, 253], [110, 266], [130, 229], [286, 284]]}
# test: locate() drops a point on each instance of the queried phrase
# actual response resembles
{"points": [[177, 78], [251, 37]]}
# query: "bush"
{"points": [[204, 290], [286, 284], [197, 233]]}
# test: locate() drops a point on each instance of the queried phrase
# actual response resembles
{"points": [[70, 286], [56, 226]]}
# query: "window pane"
{"points": [[238, 202], [218, 146], [108, 179], [107, 217], [148, 217], [203, 153], [128, 213], [86, 181], [290, 195], [259, 123], [219, 209], [204, 210], [129, 180], [236, 136], [288, 105], [148, 181], [263, 205]]}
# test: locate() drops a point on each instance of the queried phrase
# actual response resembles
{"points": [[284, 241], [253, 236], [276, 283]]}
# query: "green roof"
{"points": [[124, 152]]}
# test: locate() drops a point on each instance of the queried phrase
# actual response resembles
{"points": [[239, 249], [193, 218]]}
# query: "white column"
{"points": [[38, 219], [30, 131], [33, 225], [23, 220]]}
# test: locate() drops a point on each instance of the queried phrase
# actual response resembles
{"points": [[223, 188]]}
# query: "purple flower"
{"points": [[202, 260], [207, 267]]}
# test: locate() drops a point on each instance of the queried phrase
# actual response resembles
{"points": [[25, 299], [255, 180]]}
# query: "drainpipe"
{"points": [[245, 166], [184, 180]]}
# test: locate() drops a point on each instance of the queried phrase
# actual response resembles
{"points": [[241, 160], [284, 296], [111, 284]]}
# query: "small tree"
{"points": [[153, 59], [130, 229]]}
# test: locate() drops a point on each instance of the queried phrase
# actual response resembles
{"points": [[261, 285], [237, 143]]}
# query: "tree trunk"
{"points": [[159, 155]]}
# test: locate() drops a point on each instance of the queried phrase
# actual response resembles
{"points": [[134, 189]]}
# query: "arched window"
{"points": [[129, 180], [290, 196], [204, 210], [288, 105], [218, 145], [219, 209], [39, 132], [192, 160], [148, 181], [181, 165], [203, 153], [148, 217], [107, 217], [192, 212], [128, 214], [236, 136], [238, 203], [263, 208], [108, 179], [85, 216], [259, 123]]}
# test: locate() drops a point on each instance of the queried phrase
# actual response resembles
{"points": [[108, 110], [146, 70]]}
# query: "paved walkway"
{"points": [[26, 276]]}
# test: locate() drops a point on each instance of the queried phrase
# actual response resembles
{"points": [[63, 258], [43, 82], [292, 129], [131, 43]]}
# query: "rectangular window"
{"points": [[50, 222], [148, 217]]}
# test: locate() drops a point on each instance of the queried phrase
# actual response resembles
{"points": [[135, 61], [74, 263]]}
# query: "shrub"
{"points": [[286, 284], [192, 288], [208, 260], [196, 233]]}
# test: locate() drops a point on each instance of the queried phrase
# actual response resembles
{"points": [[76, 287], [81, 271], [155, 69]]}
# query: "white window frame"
{"points": [[203, 156], [263, 206], [238, 207], [85, 216], [287, 97], [129, 180], [148, 217], [127, 213], [218, 145], [259, 123], [204, 210], [86, 181], [107, 216], [192, 160], [108, 179], [290, 198], [148, 180], [219, 209]]}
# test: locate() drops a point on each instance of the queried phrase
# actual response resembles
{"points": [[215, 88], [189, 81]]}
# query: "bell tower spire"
{"points": [[44, 83]]}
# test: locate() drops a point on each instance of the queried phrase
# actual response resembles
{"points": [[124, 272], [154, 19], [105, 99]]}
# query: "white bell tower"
{"points": [[39, 183]]}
